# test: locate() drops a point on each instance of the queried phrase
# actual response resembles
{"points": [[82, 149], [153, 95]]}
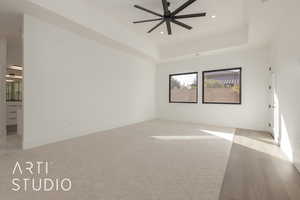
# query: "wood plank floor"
{"points": [[258, 170]]}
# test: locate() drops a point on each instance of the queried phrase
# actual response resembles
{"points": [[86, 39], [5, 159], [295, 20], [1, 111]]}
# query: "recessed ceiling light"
{"points": [[161, 32], [213, 16], [15, 67]]}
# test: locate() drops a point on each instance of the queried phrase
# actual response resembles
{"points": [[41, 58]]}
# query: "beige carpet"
{"points": [[154, 160]]}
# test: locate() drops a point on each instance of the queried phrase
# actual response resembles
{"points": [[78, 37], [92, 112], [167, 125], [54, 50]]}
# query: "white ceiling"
{"points": [[10, 23], [230, 14], [237, 23]]}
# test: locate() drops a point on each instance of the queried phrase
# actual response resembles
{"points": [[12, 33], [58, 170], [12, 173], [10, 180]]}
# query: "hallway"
{"points": [[257, 169]]}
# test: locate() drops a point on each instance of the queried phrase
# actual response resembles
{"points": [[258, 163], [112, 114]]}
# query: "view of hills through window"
{"points": [[184, 88]]}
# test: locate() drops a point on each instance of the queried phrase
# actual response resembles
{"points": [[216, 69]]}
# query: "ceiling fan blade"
{"points": [[183, 6], [165, 6], [152, 29], [182, 24], [169, 27], [190, 15], [147, 20], [149, 11]]}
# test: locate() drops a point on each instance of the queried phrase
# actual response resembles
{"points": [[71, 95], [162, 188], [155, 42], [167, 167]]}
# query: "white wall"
{"points": [[3, 51], [285, 59], [89, 18], [252, 114], [15, 53], [74, 86]]}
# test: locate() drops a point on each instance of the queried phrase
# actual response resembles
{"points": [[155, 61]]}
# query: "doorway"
{"points": [[274, 109], [11, 78]]}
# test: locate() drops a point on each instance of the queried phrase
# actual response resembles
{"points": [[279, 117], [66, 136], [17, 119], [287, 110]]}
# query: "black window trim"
{"points": [[197, 80], [218, 70]]}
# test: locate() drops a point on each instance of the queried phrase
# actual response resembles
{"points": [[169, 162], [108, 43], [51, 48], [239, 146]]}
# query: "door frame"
{"points": [[274, 109]]}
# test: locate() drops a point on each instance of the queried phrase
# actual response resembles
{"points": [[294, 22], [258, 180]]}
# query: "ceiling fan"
{"points": [[170, 17]]}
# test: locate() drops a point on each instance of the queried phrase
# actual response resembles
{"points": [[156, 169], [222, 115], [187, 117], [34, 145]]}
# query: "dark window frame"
{"points": [[14, 91], [197, 91], [219, 70]]}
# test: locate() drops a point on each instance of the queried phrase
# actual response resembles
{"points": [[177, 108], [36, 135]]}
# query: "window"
{"points": [[222, 86], [183, 88], [13, 90]]}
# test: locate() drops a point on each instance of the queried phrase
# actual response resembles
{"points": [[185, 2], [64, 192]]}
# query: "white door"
{"points": [[274, 109]]}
